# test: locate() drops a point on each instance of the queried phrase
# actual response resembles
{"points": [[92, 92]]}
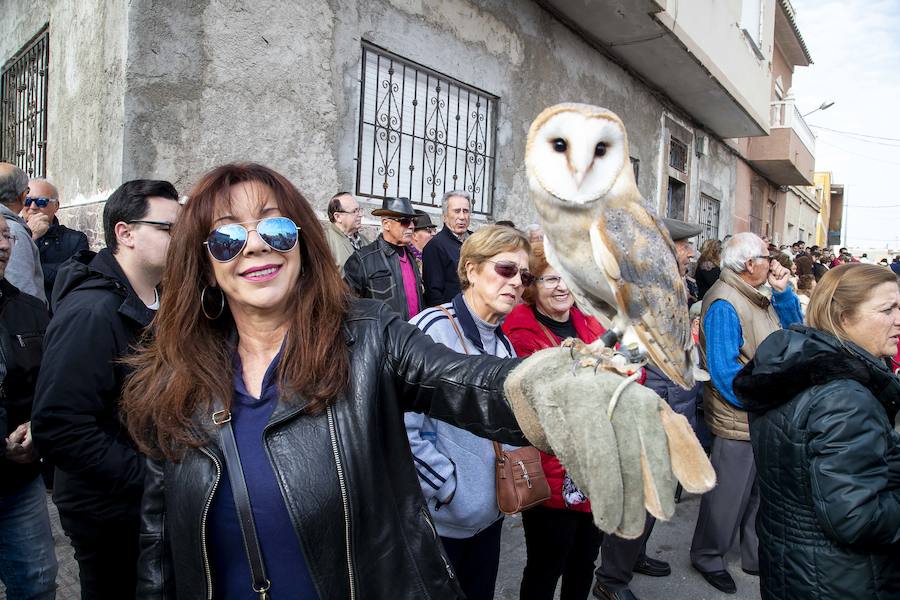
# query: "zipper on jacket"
{"points": [[344, 498], [203, 515], [434, 533]]}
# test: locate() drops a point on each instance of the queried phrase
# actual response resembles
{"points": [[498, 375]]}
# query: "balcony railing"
{"points": [[784, 113]]}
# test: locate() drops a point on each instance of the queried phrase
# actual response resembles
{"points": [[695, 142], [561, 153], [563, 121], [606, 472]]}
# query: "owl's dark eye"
{"points": [[560, 145], [600, 150]]}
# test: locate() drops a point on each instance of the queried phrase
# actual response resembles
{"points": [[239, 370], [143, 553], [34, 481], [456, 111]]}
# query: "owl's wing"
{"points": [[633, 248]]}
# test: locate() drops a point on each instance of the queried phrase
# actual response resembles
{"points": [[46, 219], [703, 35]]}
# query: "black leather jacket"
{"points": [[373, 271], [346, 475], [23, 321]]}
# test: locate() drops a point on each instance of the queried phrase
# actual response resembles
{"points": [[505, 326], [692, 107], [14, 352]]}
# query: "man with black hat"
{"points": [[423, 231], [386, 269]]}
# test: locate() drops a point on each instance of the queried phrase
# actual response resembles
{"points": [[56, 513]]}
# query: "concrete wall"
{"points": [[715, 27], [168, 90], [86, 94], [279, 83]]}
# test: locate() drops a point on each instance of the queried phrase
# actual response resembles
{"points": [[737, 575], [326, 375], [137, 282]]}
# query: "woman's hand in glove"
{"points": [[625, 464]]}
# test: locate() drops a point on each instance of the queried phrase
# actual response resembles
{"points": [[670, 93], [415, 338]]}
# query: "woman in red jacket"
{"points": [[560, 536]]}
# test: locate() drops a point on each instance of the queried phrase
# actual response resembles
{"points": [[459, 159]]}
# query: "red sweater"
{"points": [[527, 337]]}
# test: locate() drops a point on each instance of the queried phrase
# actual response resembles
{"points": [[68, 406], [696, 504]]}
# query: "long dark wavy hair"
{"points": [[187, 362]]}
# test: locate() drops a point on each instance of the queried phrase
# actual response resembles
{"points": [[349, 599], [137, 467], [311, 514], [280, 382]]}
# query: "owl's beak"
{"points": [[578, 175]]}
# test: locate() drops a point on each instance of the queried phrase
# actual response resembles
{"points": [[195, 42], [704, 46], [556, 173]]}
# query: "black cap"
{"points": [[679, 230], [423, 221]]}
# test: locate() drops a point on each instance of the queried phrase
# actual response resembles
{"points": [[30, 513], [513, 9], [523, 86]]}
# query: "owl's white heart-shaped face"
{"points": [[577, 157]]}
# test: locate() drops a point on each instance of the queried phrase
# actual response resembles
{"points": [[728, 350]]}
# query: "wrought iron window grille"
{"points": [[709, 218], [23, 107], [423, 133], [678, 153]]}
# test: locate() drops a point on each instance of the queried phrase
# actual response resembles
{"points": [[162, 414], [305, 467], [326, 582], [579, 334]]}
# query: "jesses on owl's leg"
{"points": [[602, 354]]}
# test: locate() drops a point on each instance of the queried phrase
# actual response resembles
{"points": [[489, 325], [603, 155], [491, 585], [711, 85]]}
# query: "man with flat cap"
{"points": [[386, 269], [423, 231]]}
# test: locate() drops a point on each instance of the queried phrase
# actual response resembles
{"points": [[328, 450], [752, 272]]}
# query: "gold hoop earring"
{"points": [[203, 303]]}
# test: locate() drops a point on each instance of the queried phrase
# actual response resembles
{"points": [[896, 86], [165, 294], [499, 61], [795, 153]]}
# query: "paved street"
{"points": [[669, 542]]}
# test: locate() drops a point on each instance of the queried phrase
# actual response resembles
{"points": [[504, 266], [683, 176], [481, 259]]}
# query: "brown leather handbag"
{"points": [[520, 479]]}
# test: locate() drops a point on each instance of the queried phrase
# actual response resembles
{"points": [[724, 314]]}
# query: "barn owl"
{"points": [[601, 236]]}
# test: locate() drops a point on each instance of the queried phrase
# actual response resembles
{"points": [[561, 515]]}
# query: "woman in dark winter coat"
{"points": [[823, 404]]}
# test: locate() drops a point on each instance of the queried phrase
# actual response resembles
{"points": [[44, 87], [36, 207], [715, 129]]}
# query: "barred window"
{"points": [[709, 218], [23, 108], [678, 155], [422, 133]]}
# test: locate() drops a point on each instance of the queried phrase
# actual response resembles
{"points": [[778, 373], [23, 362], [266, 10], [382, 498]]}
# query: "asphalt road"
{"points": [[670, 542]]}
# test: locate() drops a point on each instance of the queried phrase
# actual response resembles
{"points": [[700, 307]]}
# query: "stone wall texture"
{"points": [[160, 89]]}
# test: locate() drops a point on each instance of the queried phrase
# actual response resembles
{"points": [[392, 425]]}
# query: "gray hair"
{"points": [[13, 181], [445, 199], [739, 249]]}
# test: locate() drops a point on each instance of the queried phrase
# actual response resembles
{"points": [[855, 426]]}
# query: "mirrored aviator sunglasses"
{"points": [[225, 243], [509, 270]]}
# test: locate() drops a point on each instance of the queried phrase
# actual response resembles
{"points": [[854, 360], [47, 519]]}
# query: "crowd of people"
{"points": [[232, 400]]}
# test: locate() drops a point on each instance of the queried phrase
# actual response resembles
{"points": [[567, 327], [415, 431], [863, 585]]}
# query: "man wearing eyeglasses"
{"points": [[102, 305], [56, 242], [386, 269], [24, 268], [342, 232], [739, 312]]}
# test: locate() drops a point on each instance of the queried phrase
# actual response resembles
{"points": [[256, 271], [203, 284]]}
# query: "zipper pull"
{"points": [[21, 340]]}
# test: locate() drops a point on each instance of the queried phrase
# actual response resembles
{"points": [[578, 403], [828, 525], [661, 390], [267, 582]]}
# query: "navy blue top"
{"points": [[285, 565]]}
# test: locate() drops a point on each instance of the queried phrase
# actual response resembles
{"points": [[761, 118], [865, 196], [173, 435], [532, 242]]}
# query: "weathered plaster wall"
{"points": [[278, 83], [86, 94], [718, 179], [167, 90]]}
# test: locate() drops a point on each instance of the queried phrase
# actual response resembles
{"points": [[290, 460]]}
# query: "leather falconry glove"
{"points": [[628, 462]]}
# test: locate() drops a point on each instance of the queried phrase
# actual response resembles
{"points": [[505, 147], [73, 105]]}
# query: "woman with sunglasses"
{"points": [[455, 467], [268, 392]]}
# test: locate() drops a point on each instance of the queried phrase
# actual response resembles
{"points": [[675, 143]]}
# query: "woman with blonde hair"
{"points": [[823, 402], [455, 467]]}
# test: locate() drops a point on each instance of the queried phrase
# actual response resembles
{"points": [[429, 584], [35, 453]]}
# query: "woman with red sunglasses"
{"points": [[271, 406], [455, 467]]}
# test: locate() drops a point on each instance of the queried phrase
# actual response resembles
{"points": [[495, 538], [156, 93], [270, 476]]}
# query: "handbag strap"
{"points": [[498, 451], [546, 331], [261, 583], [462, 339]]}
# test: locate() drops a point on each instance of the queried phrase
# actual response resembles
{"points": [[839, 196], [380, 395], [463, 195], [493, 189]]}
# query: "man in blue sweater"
{"points": [[739, 312]]}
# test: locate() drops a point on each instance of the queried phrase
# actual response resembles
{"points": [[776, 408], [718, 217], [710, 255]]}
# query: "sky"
{"points": [[855, 47]]}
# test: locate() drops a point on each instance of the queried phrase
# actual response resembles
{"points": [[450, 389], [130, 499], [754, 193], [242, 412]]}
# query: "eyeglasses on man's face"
{"points": [[8, 237], [356, 211], [40, 202], [161, 225], [404, 221]]}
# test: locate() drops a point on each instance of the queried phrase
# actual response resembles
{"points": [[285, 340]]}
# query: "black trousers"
{"points": [[618, 557], [107, 555], [476, 560], [559, 543]]}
